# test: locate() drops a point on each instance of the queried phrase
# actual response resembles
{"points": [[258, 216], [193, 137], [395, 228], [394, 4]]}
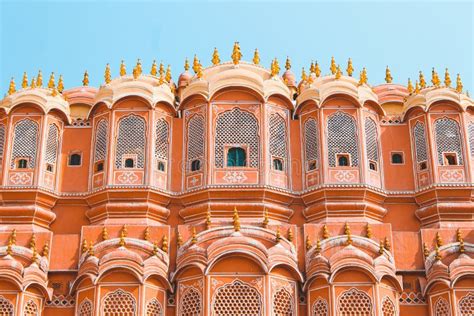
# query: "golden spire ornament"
{"points": [[107, 75], [11, 88], [363, 77], [164, 244], [308, 243], [447, 78], [105, 233], [312, 68], [256, 57], [458, 84], [288, 63], [333, 66], [39, 79], [458, 235], [437, 253], [33, 241], [179, 240], [236, 53], [386, 244], [381, 247], [34, 256], [318, 246], [51, 83], [123, 69], [24, 82], [84, 246], [91, 249], [304, 77], [422, 80], [417, 87], [85, 81], [278, 235], [162, 73], [461, 246], [33, 83], [9, 247], [435, 78], [138, 67], [60, 84], [347, 231], [194, 237], [338, 72], [195, 64], [186, 64], [410, 86], [275, 68], [265, 219], [215, 57], [317, 70], [236, 220], [290, 235], [153, 70], [168, 74], [426, 251], [368, 231], [155, 249], [146, 234], [388, 75], [350, 68], [123, 234], [13, 237], [208, 219], [325, 232], [439, 241]]}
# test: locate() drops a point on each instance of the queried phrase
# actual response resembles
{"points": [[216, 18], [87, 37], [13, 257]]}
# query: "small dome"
{"points": [[184, 79], [289, 78]]}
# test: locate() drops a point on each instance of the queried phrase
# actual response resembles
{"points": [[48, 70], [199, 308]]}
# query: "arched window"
{"points": [[75, 160], [388, 308], [448, 142], [277, 164], [237, 298], [311, 143], [119, 303], [22, 163], [466, 305], [25, 142], [354, 302], [342, 138], [190, 303], [51, 147], [320, 307], [442, 307], [30, 309], [371, 143], [278, 139], [419, 136], [283, 303], [161, 144], [236, 157], [195, 144], [100, 145], [6, 308], [471, 137], [2, 139], [154, 308], [85, 309], [397, 158], [131, 139], [237, 127]]}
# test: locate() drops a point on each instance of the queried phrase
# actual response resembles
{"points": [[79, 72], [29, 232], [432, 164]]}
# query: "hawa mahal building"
{"points": [[236, 190]]}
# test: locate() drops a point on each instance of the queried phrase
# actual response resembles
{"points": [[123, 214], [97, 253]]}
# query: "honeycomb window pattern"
{"points": [[190, 303], [371, 144], [237, 299], [25, 142], [161, 139], [442, 307], [388, 308], [100, 146], [354, 303], [52, 144], [2, 139], [419, 136], [154, 308], [471, 137], [237, 127], [6, 308], [283, 303], [119, 303], [30, 309], [466, 305], [320, 307], [278, 146], [131, 139], [195, 148], [311, 141], [342, 138], [448, 139], [85, 309]]}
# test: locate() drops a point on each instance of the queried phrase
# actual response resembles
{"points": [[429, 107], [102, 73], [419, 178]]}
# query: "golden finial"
{"points": [[422, 80], [46, 250], [368, 231], [435, 78], [437, 253], [304, 77], [13, 237], [11, 88], [447, 78], [410, 86], [278, 235], [146, 234], [153, 70], [135, 73], [363, 77], [308, 243], [318, 246], [208, 219], [139, 67], [194, 237], [236, 220], [54, 92], [215, 57], [290, 235], [51, 83], [33, 241], [123, 234], [84, 246], [91, 249], [381, 247], [179, 240], [33, 83], [338, 72], [162, 73], [350, 69], [417, 87], [325, 232], [107, 75], [105, 233], [123, 69], [24, 82], [168, 74], [426, 251], [388, 75], [122, 241], [186, 64], [85, 81], [265, 219], [288, 63], [34, 256], [155, 249], [195, 64], [199, 72], [164, 244], [459, 84], [39, 79], [236, 53], [333, 66], [317, 70], [60, 84], [256, 57], [439, 241], [9, 247], [312, 68], [458, 235], [461, 246], [386, 244], [347, 231], [275, 68]]}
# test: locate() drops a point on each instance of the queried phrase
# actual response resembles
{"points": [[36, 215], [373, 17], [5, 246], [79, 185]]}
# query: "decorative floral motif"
{"points": [[234, 177]]}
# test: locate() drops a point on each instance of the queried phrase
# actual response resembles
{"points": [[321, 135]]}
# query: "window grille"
{"points": [[100, 149], [190, 303], [283, 303], [195, 138], [2, 139], [6, 308], [25, 142], [131, 140], [30, 309], [52, 144], [154, 308], [442, 307], [237, 298], [471, 137], [420, 142], [371, 142], [311, 137], [342, 138], [354, 303], [278, 147], [388, 308], [119, 303], [448, 139], [85, 309], [161, 140], [466, 305], [237, 127], [320, 307]]}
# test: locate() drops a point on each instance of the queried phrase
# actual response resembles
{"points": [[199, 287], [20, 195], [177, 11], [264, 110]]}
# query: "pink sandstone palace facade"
{"points": [[236, 190]]}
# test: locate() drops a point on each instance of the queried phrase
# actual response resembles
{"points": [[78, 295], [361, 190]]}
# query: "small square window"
{"points": [[75, 160], [372, 165], [196, 165], [99, 166], [22, 163], [161, 166], [49, 167], [343, 160], [277, 164], [450, 159], [397, 158], [312, 165], [423, 165]]}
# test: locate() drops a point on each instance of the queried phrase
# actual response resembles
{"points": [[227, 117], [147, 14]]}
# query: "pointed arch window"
{"points": [[161, 144], [278, 141], [195, 145], [52, 144], [421, 154], [448, 142], [100, 145], [371, 143], [131, 140], [311, 143], [342, 139], [119, 303], [25, 144]]}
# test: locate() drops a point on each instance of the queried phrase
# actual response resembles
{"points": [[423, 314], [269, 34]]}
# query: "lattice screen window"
{"points": [[442, 307], [85, 309], [283, 303], [190, 303], [237, 127], [388, 308], [448, 139], [25, 142], [6, 308], [471, 137], [52, 141], [131, 139], [100, 147], [419, 135], [30, 309], [119, 303], [342, 138], [354, 302], [2, 139], [311, 142], [320, 307], [237, 298], [154, 308], [371, 142], [278, 137], [195, 149], [161, 140], [466, 305]]}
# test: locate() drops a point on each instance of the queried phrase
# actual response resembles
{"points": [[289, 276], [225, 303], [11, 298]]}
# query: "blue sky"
{"points": [[68, 37]]}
